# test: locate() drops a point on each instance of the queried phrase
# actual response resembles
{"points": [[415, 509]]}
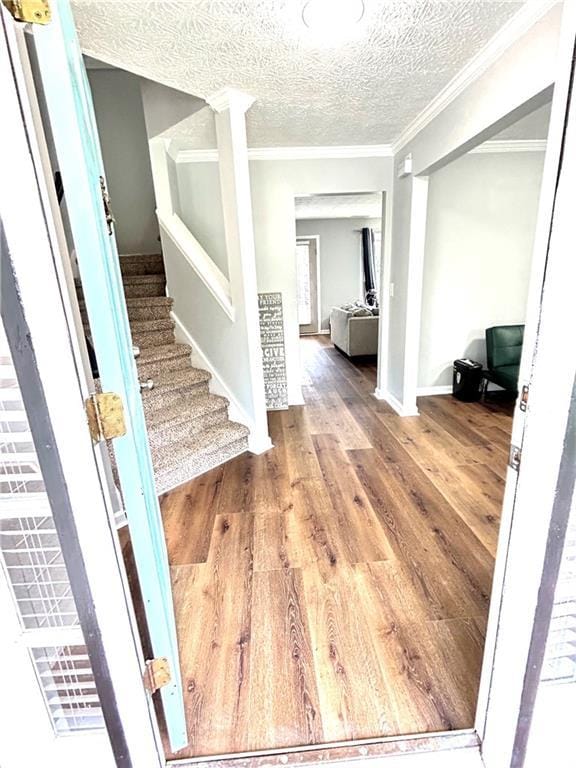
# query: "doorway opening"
{"points": [[308, 284], [477, 262], [335, 589], [342, 233]]}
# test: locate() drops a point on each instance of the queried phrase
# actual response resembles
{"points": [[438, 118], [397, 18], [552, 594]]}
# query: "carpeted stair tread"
{"points": [[142, 264], [168, 479], [155, 338], [136, 286], [205, 442], [149, 308], [166, 352], [144, 301], [175, 380], [137, 301], [172, 386], [141, 308], [187, 407], [154, 361], [188, 426], [149, 326], [144, 279]]}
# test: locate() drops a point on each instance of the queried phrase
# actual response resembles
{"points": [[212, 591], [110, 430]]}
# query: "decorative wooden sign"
{"points": [[273, 350]]}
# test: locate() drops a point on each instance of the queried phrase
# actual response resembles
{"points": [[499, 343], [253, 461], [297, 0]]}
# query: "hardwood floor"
{"points": [[337, 587]]}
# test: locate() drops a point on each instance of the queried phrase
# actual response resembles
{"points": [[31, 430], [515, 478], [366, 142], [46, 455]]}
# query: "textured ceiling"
{"points": [[365, 205], [361, 90]]}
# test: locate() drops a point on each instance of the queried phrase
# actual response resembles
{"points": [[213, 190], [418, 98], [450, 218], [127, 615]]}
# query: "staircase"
{"points": [[188, 427]]}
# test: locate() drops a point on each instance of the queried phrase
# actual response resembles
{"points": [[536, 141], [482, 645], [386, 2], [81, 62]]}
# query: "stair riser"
{"points": [[137, 290], [165, 481], [141, 265], [151, 326], [138, 314], [150, 369], [173, 432], [163, 398], [152, 312], [143, 290], [153, 338]]}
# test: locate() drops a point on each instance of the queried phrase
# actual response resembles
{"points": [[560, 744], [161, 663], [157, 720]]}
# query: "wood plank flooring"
{"points": [[337, 587]]}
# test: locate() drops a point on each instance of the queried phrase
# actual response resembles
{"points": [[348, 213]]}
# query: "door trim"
{"points": [[318, 304], [31, 229], [69, 110], [415, 745], [25, 363], [96, 575]]}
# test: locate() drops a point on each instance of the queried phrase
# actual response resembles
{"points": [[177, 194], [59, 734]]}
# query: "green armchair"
{"points": [[503, 353]]}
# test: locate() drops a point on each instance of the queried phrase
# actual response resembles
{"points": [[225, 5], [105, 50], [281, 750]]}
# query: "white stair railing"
{"points": [[218, 315]]}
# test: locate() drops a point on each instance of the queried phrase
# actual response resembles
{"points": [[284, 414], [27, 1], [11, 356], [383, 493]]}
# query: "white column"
{"points": [[230, 107], [418, 216]]}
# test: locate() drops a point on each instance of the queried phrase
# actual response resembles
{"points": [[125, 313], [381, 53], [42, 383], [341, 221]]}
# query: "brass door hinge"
{"points": [[32, 11], [515, 457], [156, 674], [107, 206], [105, 414], [524, 397]]}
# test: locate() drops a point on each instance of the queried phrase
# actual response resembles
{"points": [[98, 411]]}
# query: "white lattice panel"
{"points": [[32, 559], [66, 679], [560, 661]]}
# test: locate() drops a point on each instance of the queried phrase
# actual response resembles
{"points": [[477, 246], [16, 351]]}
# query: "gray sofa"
{"points": [[355, 335]]}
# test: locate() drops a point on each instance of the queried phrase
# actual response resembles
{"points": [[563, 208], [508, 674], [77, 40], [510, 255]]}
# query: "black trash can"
{"points": [[466, 380]]}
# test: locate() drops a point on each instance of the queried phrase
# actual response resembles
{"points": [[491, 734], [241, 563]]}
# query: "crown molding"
{"points": [[170, 147], [518, 25], [292, 153], [327, 153], [510, 145], [230, 98], [196, 156], [320, 153]]}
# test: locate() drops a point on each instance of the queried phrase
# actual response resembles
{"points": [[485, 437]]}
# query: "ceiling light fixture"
{"points": [[332, 16]]}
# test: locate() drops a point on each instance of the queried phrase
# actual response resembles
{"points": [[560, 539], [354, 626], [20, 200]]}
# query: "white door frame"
{"points": [[527, 509], [85, 521], [317, 298], [548, 369]]}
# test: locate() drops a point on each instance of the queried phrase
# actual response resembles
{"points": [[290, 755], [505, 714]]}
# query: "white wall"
{"points": [[514, 84], [200, 201], [479, 235], [341, 272], [197, 310], [274, 185], [122, 130]]}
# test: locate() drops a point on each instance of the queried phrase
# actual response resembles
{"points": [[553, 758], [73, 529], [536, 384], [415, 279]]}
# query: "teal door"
{"points": [[71, 115]]}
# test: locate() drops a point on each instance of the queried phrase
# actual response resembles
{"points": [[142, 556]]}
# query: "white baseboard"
{"points": [[394, 403], [257, 442], [436, 389], [446, 389]]}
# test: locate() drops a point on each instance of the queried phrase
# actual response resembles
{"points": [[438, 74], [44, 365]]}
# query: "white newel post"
{"points": [[230, 107]]}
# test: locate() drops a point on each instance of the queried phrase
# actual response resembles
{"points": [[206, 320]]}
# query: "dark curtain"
{"points": [[368, 260]]}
